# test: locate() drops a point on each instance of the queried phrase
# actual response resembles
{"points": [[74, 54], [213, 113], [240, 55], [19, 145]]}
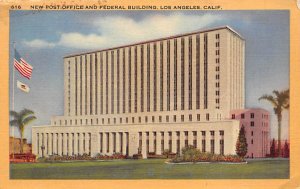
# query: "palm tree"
{"points": [[21, 120], [280, 101]]}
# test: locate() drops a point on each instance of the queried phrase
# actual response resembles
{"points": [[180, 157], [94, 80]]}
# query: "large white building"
{"points": [[150, 96]]}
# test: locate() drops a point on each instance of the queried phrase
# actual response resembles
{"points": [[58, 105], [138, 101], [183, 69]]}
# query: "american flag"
{"points": [[22, 66]]}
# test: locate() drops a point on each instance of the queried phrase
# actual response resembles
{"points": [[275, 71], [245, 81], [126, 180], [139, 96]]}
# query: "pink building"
{"points": [[257, 126]]}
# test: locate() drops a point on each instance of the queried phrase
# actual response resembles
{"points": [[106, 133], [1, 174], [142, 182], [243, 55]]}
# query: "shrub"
{"points": [[191, 154]]}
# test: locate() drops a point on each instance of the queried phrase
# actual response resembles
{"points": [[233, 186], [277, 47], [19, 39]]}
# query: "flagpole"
{"points": [[13, 100]]}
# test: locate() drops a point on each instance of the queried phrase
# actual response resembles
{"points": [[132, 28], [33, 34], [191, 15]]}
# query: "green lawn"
{"points": [[150, 169]]}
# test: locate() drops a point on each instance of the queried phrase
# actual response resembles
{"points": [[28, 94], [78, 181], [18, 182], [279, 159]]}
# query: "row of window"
{"points": [[265, 116], [140, 119], [111, 62]]}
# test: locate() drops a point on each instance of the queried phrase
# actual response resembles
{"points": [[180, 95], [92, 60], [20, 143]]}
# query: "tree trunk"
{"points": [[279, 135], [21, 143]]}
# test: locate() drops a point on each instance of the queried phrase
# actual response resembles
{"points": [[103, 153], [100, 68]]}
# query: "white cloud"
{"points": [[121, 30], [77, 40], [116, 30], [38, 43]]}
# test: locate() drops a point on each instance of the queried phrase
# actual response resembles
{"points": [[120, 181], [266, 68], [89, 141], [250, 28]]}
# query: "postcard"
{"points": [[151, 94]]}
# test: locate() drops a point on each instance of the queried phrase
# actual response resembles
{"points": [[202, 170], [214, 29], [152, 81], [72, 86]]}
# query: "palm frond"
{"points": [[28, 120], [14, 114], [25, 112], [14, 123], [270, 99]]}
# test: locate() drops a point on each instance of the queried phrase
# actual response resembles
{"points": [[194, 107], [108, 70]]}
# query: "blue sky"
{"points": [[43, 38]]}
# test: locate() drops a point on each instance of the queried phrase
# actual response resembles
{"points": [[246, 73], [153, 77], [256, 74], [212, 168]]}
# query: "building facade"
{"points": [[150, 96], [257, 127]]}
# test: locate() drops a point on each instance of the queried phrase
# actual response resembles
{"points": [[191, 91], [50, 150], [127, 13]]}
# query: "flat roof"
{"points": [[159, 39]]}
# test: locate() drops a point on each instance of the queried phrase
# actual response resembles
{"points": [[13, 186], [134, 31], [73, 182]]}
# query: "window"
{"points": [[174, 118], [207, 117], [146, 119], [252, 115], [120, 120], [251, 133], [115, 120], [190, 117], [251, 141], [233, 116], [167, 118], [252, 123], [198, 117], [132, 119], [212, 146], [160, 119], [153, 119], [140, 119], [243, 116], [221, 133], [222, 146], [126, 119], [182, 118]]}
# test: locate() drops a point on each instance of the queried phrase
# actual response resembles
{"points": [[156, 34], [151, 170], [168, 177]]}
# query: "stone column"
{"points": [[199, 141], [166, 140], [65, 141], [45, 144], [217, 142], [59, 144], [144, 151], [87, 143], [151, 141], [124, 141], [104, 149], [94, 143], [118, 144], [81, 144], [182, 137], [111, 143], [50, 142], [76, 144], [132, 143], [207, 139], [174, 142], [158, 143], [71, 146], [40, 144], [54, 144]]}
